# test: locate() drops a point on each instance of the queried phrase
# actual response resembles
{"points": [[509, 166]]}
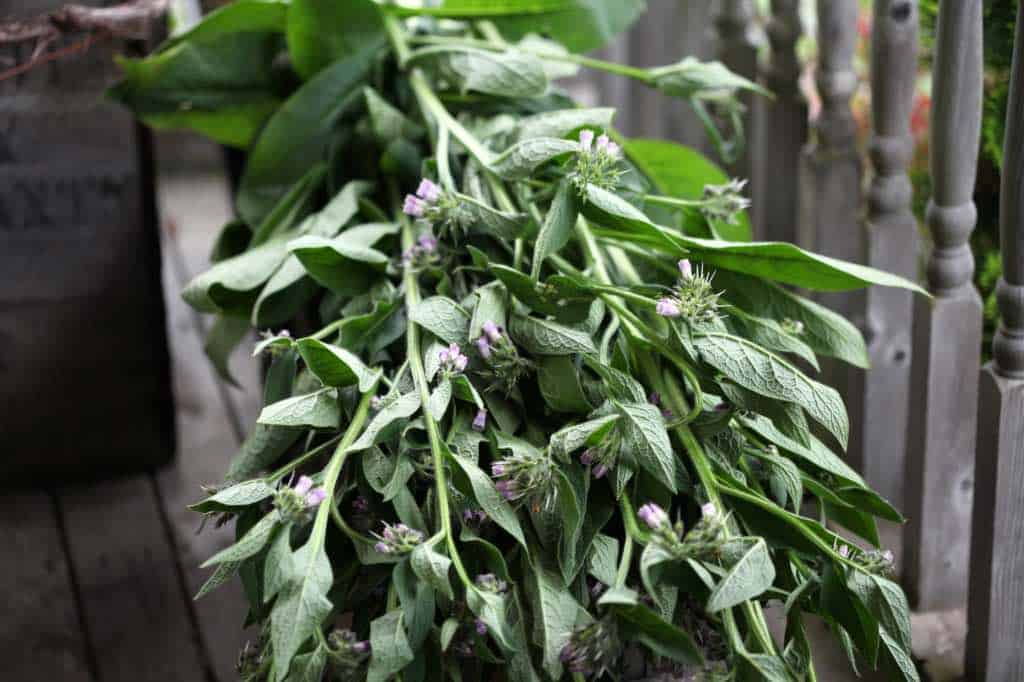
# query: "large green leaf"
{"points": [[390, 647], [751, 575], [442, 317], [236, 17], [222, 87], [502, 74], [320, 33], [544, 337], [298, 134], [480, 487], [682, 172], [580, 25], [231, 285], [554, 615], [335, 366], [766, 374], [645, 438], [558, 226], [318, 410]]}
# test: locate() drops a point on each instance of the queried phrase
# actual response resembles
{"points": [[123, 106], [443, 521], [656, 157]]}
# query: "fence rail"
{"points": [[925, 408]]}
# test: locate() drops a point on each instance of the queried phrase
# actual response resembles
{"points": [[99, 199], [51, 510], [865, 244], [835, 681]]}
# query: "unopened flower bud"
{"points": [[413, 206], [653, 515], [480, 420], [481, 627], [586, 139], [483, 347], [428, 191], [492, 331], [666, 307], [685, 268]]}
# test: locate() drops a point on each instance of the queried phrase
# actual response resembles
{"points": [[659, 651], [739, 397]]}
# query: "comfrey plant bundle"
{"points": [[554, 420]]}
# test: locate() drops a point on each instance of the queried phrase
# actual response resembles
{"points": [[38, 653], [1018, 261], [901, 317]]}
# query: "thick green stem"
{"points": [[437, 447]]}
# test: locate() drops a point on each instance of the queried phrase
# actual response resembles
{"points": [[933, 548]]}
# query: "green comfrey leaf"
{"points": [[301, 606], [757, 370], [418, 601], [555, 614], [761, 668], [559, 383], [432, 567], [817, 454], [239, 495], [231, 285], [644, 436], [771, 335], [439, 400], [320, 34], [544, 337], [492, 609], [479, 486], [750, 576], [824, 331], [318, 410], [562, 123], [604, 557], [394, 410], [618, 385], [704, 80], [558, 296], [221, 575], [489, 220], [651, 561], [571, 438], [249, 544], [558, 226], [309, 667], [523, 158], [278, 565], [390, 647], [387, 121], [442, 317], [297, 134], [335, 366], [640, 623], [340, 264], [503, 74], [784, 481], [221, 84]]}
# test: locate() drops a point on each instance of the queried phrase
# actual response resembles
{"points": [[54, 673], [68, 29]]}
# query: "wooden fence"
{"points": [[925, 409]]}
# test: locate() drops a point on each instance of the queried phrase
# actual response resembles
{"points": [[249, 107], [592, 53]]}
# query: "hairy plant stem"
{"points": [[437, 448], [334, 467]]}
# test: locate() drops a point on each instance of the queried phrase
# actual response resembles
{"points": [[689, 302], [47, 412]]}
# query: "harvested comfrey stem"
{"points": [[557, 413]]}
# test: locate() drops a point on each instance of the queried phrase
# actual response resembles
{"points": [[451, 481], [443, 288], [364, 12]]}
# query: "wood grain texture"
{"points": [[947, 331], [780, 130], [136, 613], [996, 607], [40, 634], [879, 398], [207, 437], [739, 39]]}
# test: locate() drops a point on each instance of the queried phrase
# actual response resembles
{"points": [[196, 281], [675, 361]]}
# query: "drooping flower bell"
{"points": [[480, 420], [592, 649], [503, 363], [295, 503], [525, 475], [453, 360]]}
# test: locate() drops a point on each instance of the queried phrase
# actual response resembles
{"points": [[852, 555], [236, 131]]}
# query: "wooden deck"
{"points": [[96, 581]]}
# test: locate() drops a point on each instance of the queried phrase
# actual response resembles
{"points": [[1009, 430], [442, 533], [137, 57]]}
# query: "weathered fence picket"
{"points": [[878, 398], [780, 128], [737, 46], [996, 609], [829, 199], [947, 330]]}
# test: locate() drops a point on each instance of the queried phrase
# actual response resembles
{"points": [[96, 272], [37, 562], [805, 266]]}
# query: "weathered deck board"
{"points": [[207, 437], [40, 633], [137, 617]]}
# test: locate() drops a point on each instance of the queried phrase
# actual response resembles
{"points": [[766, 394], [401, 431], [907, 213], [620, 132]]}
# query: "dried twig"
{"points": [[131, 20]]}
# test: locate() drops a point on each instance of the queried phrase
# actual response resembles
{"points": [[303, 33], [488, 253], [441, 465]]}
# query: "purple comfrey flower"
{"points": [[484, 348], [427, 242], [360, 504], [587, 458], [304, 485], [613, 150], [312, 496], [474, 516], [844, 551], [361, 647], [599, 471], [491, 583], [397, 539], [685, 268], [667, 307], [480, 420], [653, 515], [382, 547], [709, 511], [654, 398], [481, 627], [453, 358], [602, 143], [428, 191], [507, 489], [586, 140], [497, 468], [376, 402], [492, 331], [414, 206]]}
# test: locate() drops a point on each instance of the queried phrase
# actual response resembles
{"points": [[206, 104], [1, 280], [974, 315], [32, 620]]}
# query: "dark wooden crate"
{"points": [[85, 388]]}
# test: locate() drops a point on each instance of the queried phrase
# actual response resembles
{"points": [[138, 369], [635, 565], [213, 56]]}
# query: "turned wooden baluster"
{"points": [[738, 42], [878, 399], [830, 167], [947, 330], [996, 609], [781, 129]]}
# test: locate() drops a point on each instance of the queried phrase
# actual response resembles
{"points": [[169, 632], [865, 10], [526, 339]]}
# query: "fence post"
{"points": [[947, 330], [830, 167], [781, 129], [738, 41], [878, 399], [996, 607]]}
